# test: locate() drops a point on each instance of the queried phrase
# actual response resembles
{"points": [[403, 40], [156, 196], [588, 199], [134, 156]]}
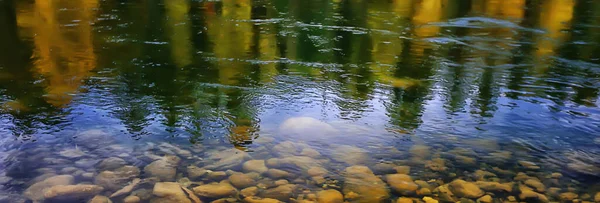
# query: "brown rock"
{"points": [[114, 180], [466, 189], [527, 194], [568, 196], [276, 173], [404, 200], [194, 172], [494, 186], [111, 163], [255, 166], [215, 190], [241, 181], [36, 191], [249, 191], [402, 183], [309, 152], [72, 192], [100, 199], [485, 199], [217, 175], [131, 199], [536, 184], [172, 192], [127, 189], [316, 171], [330, 196], [402, 169], [260, 200], [429, 200], [164, 169], [597, 197], [361, 185], [282, 192], [350, 154]]}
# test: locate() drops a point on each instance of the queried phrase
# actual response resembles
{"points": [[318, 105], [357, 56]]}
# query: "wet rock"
{"points": [[330, 196], [316, 171], [556, 175], [72, 192], [361, 185], [215, 190], [276, 173], [402, 169], [429, 200], [404, 200], [166, 147], [173, 192], [286, 148], [241, 181], [195, 172], [165, 169], [306, 128], [282, 192], [281, 182], [424, 192], [536, 184], [383, 168], [86, 163], [255, 166], [111, 164], [529, 165], [419, 151], [260, 200], [68, 170], [117, 179], [249, 191], [527, 194], [226, 159], [131, 199], [436, 164], [217, 175], [87, 176], [402, 183], [36, 191], [100, 199], [127, 189], [226, 200], [568, 196], [466, 189], [93, 138], [310, 152], [494, 186], [296, 162], [72, 153], [350, 155], [597, 197]]}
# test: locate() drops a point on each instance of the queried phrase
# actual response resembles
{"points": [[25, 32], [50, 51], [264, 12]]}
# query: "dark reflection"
{"points": [[214, 69]]}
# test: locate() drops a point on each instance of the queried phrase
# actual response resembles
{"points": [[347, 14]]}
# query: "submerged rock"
{"points": [[72, 153], [249, 191], [466, 189], [485, 199], [36, 191], [306, 128], [276, 173], [241, 181], [100, 199], [131, 199], [260, 200], [330, 196], [117, 179], [72, 192], [361, 185], [255, 166], [165, 169], [444, 193], [402, 183], [494, 186], [111, 164], [215, 190], [568, 196], [536, 184], [194, 172], [527, 194], [127, 189], [404, 200], [350, 155], [226, 159], [173, 192], [281, 192]]}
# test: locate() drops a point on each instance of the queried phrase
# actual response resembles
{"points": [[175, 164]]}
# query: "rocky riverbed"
{"points": [[96, 168]]}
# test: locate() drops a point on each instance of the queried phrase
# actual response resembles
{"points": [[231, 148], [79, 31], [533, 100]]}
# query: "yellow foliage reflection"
{"points": [[555, 16], [180, 32], [64, 51]]}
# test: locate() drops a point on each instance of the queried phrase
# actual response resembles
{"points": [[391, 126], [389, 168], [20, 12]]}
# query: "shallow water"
{"points": [[196, 92]]}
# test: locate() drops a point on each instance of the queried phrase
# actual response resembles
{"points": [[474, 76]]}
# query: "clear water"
{"points": [[486, 85]]}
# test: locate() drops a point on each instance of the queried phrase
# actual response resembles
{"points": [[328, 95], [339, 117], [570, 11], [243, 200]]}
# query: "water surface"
{"points": [[481, 90]]}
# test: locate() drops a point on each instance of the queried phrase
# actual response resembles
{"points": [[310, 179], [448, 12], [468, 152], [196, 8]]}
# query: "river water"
{"points": [[300, 101]]}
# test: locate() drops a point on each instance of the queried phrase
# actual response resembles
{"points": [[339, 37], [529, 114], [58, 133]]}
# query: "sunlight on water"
{"points": [[300, 101]]}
